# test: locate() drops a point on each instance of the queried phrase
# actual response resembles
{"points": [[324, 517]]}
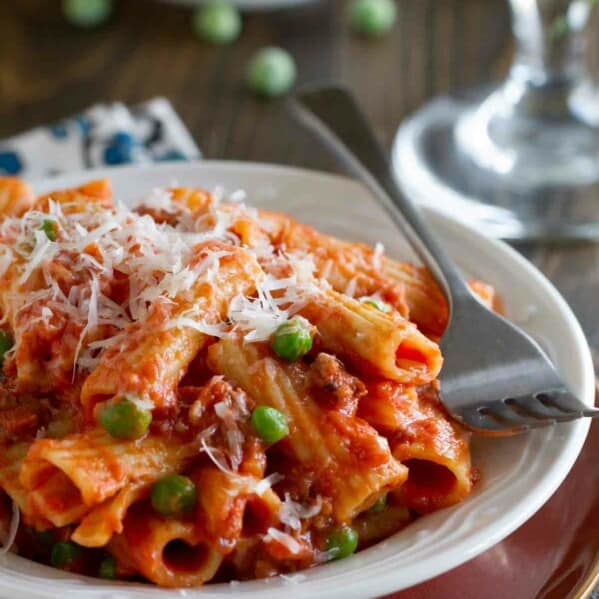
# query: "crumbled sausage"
{"points": [[333, 386]]}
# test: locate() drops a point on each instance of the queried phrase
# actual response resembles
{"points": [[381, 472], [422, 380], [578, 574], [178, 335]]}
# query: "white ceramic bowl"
{"points": [[518, 474]]}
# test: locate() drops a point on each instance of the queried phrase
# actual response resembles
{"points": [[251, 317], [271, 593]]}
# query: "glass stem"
{"points": [[550, 55]]}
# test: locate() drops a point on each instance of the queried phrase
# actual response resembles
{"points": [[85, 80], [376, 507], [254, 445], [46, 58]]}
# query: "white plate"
{"points": [[518, 474]]}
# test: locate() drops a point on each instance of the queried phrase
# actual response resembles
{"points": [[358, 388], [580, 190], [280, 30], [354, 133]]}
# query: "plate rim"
{"points": [[476, 544]]}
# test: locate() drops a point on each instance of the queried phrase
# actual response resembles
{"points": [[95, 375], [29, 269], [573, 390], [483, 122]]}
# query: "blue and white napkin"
{"points": [[103, 135]]}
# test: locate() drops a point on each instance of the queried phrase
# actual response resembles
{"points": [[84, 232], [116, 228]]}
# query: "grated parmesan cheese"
{"points": [[211, 453], [291, 512], [273, 534], [377, 257], [266, 483], [98, 248], [43, 250], [160, 199], [277, 300], [350, 289]]}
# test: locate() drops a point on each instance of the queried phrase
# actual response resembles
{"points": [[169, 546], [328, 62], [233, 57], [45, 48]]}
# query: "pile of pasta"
{"points": [[197, 390]]}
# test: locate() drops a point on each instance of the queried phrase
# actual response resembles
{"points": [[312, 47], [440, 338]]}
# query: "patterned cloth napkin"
{"points": [[103, 135]]}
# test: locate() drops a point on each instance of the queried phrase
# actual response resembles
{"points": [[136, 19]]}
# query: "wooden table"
{"points": [[49, 70]]}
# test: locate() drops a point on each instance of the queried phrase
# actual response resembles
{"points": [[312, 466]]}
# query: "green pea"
{"points": [[342, 542], [47, 227], [125, 420], [380, 505], [271, 72], [217, 22], [292, 340], [270, 425], [107, 568], [6, 342], [372, 17], [378, 304], [172, 495], [64, 554], [86, 13]]}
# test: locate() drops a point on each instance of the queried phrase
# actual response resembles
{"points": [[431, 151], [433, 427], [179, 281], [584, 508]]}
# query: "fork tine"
{"points": [[563, 400], [481, 421], [536, 408], [500, 409]]}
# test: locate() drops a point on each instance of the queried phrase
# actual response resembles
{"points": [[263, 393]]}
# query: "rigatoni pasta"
{"points": [[376, 343], [15, 197], [324, 442], [434, 449], [170, 552], [152, 359], [196, 390], [92, 467]]}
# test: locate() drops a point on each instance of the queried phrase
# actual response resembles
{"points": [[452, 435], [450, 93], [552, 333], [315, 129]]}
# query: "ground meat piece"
{"points": [[333, 386]]}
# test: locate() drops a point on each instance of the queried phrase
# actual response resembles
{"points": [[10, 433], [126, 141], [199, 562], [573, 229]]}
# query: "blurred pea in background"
{"points": [[224, 69], [225, 65]]}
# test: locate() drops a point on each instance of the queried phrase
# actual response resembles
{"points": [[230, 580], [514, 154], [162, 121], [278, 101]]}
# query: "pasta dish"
{"points": [[195, 390]]}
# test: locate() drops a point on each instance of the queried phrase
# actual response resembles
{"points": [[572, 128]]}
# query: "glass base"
{"points": [[448, 157]]}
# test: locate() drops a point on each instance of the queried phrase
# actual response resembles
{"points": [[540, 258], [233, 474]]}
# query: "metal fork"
{"points": [[495, 379]]}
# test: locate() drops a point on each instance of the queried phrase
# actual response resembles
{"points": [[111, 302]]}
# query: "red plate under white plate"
{"points": [[555, 555]]}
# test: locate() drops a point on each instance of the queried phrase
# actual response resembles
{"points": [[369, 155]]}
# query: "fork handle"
{"points": [[333, 115]]}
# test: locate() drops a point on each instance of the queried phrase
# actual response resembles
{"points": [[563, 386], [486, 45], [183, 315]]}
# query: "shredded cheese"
{"points": [[277, 299], [291, 512], [211, 453], [377, 257], [273, 534], [98, 249], [266, 483], [350, 289]]}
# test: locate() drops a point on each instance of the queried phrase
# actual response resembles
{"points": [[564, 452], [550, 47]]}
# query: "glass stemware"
{"points": [[523, 158]]}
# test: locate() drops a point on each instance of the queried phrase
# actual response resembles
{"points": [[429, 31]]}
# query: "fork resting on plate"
{"points": [[495, 378]]}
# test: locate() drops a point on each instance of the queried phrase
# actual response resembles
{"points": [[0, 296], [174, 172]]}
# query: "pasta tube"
{"points": [[325, 441], [85, 469], [167, 551], [376, 343], [15, 197], [422, 438], [154, 355]]}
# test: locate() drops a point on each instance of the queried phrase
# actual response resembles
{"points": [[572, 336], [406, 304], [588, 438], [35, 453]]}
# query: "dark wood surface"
{"points": [[49, 70]]}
